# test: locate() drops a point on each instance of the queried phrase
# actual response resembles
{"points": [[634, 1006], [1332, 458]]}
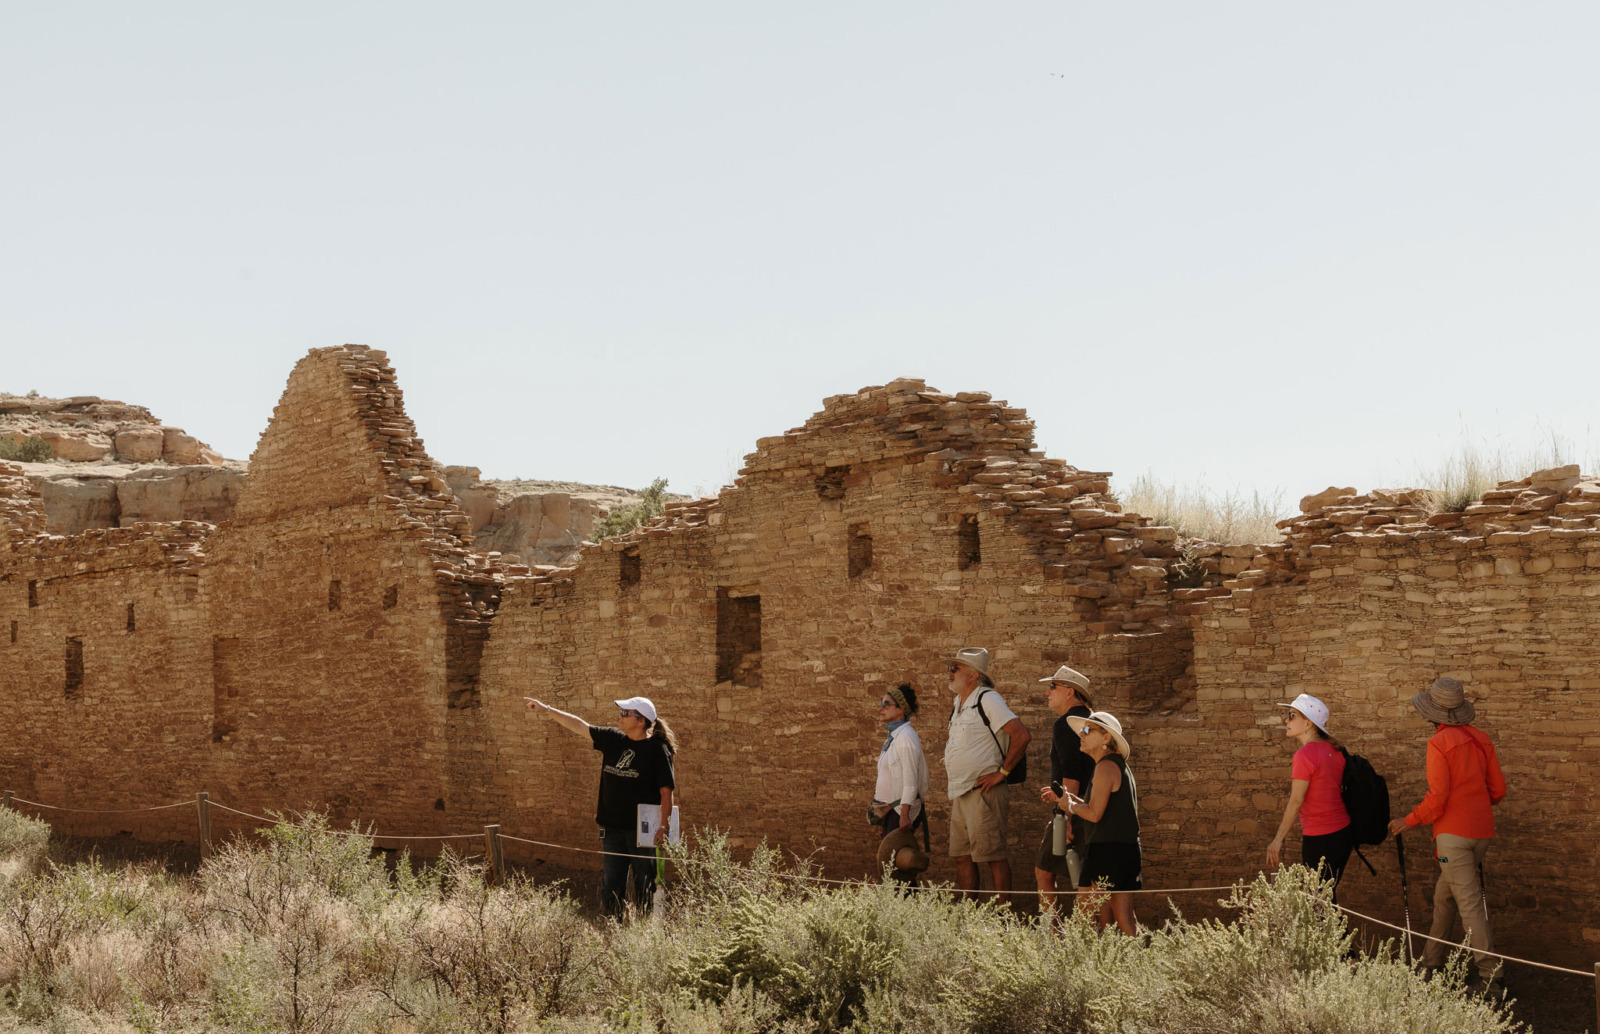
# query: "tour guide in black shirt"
{"points": [[636, 769]]}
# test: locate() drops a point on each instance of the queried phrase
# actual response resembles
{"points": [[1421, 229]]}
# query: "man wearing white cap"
{"points": [[636, 768], [978, 769]]}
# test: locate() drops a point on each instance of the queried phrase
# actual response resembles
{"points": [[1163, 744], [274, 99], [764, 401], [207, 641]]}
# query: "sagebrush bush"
{"points": [[305, 929], [23, 843]]}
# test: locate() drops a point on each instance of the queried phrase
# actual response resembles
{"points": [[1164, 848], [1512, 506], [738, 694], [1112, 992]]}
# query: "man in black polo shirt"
{"points": [[1067, 693]]}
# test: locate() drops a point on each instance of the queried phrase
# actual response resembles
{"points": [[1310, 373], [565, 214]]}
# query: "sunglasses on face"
{"points": [[630, 714], [952, 668]]}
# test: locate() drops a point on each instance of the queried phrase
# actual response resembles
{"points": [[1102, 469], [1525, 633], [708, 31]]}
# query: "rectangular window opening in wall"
{"points": [[131, 625], [859, 545], [33, 594], [830, 483], [630, 570], [225, 703], [738, 637], [13, 631], [968, 554], [74, 667], [391, 596], [335, 595]]}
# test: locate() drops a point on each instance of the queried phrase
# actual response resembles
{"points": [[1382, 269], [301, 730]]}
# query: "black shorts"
{"points": [[1117, 866], [1046, 859]]}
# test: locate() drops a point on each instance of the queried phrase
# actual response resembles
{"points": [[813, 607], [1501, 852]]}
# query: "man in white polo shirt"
{"points": [[986, 742]]}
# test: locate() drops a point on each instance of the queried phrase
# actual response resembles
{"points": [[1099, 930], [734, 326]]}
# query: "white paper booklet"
{"points": [[650, 821]]}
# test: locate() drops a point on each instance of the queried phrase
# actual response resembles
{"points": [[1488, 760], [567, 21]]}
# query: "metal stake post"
{"points": [[497, 859], [203, 801]]}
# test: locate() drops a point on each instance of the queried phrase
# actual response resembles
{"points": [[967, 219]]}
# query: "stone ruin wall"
{"points": [[857, 551], [1367, 600], [895, 526]]}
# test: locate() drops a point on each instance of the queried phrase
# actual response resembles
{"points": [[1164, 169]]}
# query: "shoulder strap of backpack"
{"points": [[988, 725]]}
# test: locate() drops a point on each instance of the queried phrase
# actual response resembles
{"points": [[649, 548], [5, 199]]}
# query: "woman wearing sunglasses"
{"points": [[636, 768], [902, 786], [1110, 815]]}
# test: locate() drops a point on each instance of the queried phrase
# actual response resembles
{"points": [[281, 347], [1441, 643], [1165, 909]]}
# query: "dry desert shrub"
{"points": [[304, 930]]}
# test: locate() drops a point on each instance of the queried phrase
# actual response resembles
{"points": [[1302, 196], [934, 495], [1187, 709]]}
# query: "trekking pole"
{"points": [[1405, 890]]}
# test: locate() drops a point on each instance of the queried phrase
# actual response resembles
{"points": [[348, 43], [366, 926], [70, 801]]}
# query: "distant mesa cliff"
{"points": [[114, 465]]}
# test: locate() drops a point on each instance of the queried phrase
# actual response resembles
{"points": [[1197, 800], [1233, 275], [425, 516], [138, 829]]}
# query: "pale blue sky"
{"points": [[1270, 245]]}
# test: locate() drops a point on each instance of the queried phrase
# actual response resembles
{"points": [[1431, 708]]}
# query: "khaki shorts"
{"points": [[978, 824]]}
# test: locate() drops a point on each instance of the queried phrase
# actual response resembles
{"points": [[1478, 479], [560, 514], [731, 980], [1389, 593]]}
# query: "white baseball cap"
{"points": [[640, 704], [1316, 711]]}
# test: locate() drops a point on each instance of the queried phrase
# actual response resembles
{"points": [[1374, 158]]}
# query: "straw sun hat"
{"points": [[1445, 702], [1103, 720]]}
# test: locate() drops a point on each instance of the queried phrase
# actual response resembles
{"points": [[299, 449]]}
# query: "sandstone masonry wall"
{"points": [[340, 642]]}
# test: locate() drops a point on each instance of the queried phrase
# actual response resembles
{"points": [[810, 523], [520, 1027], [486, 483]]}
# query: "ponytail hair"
{"points": [[660, 730]]}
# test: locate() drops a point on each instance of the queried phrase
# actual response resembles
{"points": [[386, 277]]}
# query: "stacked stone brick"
{"points": [[1370, 597], [339, 643]]}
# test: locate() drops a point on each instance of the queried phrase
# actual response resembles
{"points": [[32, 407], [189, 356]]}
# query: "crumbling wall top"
{"points": [[1549, 505]]}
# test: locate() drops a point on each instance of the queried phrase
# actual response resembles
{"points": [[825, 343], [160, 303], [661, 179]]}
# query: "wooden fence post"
{"points": [[9, 797], [497, 858], [1597, 996], [203, 800]]}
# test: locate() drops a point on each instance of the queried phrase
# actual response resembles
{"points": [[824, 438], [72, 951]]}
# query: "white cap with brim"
{"points": [[640, 704], [1314, 710]]}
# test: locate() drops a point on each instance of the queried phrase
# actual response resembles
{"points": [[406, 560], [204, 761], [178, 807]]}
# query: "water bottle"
{"points": [[1058, 835]]}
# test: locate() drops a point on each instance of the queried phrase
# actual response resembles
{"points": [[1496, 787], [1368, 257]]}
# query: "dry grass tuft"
{"points": [[1476, 467], [1231, 518]]}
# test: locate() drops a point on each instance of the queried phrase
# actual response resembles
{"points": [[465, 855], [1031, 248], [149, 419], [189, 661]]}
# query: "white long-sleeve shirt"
{"points": [[902, 770]]}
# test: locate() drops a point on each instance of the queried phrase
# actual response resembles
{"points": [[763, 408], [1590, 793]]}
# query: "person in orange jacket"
{"points": [[1464, 784]]}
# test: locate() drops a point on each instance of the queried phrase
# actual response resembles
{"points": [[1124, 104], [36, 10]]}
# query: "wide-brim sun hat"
{"points": [[974, 657], [901, 850], [640, 704], [1311, 709], [1106, 721], [1445, 702], [1072, 677]]}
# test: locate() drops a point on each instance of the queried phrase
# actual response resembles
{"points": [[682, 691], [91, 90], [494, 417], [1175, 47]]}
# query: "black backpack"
{"points": [[1019, 773], [1366, 798]]}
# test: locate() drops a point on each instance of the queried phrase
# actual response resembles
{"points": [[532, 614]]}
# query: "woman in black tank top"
{"points": [[1110, 810]]}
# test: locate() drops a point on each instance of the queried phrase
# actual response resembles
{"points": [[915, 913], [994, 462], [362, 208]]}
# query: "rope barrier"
{"points": [[1456, 944], [865, 880], [102, 811], [346, 832], [799, 877]]}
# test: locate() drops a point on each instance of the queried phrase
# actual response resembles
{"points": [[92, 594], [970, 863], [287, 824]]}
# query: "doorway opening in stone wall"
{"points": [[132, 625], [968, 552], [859, 546], [74, 681], [335, 595], [739, 636], [629, 569], [225, 705]]}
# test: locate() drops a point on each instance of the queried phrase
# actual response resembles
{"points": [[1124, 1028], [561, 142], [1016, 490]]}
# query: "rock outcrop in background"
{"points": [[114, 465]]}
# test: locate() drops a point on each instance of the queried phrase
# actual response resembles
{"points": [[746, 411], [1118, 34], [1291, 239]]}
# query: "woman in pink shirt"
{"points": [[1325, 835]]}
